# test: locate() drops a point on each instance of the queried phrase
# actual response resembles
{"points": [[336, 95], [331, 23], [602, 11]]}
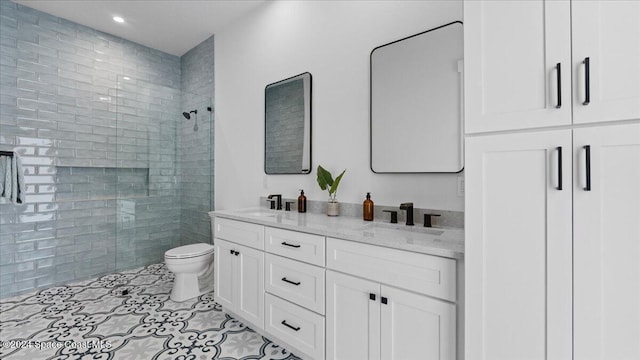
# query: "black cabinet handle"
{"points": [[587, 165], [372, 296], [290, 282], [559, 82], [587, 86], [231, 252], [559, 149], [284, 322], [290, 245], [383, 300]]}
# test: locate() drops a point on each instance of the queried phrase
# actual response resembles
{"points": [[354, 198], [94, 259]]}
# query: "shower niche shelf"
{"points": [[74, 183]]}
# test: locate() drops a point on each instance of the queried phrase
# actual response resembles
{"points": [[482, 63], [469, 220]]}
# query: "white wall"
{"points": [[332, 40]]}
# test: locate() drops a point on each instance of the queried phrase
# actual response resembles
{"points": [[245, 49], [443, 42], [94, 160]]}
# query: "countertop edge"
{"points": [[445, 253]]}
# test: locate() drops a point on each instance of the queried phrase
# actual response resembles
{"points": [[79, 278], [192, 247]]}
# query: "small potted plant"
{"points": [[327, 182]]}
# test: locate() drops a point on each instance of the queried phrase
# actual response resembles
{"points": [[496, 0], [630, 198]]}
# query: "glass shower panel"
{"points": [[147, 171], [196, 164]]}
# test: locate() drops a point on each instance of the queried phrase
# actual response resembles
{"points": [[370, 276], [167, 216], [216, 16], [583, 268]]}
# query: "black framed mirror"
{"points": [[287, 126], [416, 103]]}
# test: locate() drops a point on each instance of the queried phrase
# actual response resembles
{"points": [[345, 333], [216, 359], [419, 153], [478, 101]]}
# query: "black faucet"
{"points": [[278, 201], [409, 207]]}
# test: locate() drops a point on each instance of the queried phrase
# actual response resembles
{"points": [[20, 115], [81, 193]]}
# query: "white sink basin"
{"points": [[382, 227], [257, 213]]}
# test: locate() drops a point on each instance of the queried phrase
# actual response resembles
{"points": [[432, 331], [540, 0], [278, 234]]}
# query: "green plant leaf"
{"points": [[336, 182], [324, 178]]}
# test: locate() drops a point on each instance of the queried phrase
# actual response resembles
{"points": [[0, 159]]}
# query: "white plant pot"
{"points": [[333, 208]]}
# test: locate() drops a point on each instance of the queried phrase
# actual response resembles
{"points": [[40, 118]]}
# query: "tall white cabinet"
{"points": [[606, 243], [552, 192], [526, 63], [518, 252]]}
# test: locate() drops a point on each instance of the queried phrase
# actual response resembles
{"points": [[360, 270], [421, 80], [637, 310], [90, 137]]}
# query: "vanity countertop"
{"points": [[445, 242]]}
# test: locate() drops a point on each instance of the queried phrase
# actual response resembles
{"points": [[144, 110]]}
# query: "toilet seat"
{"points": [[189, 251]]}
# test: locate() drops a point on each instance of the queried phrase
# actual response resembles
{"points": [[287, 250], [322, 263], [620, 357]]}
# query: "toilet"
{"points": [[192, 266]]}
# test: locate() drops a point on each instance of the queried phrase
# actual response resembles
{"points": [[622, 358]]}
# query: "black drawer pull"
{"points": [[231, 252], [559, 82], [290, 282], [559, 150], [587, 85], [284, 322], [587, 165], [383, 300], [372, 296], [290, 245]]}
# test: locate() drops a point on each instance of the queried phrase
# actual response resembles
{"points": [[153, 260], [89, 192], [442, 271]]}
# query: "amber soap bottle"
{"points": [[367, 208], [302, 202]]}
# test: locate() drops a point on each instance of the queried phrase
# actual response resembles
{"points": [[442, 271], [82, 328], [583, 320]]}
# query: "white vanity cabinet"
{"points": [[327, 298], [525, 63], [538, 253], [239, 269], [369, 317]]}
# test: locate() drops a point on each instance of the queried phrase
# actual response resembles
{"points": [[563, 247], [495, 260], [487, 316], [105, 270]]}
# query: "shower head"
{"points": [[187, 115]]}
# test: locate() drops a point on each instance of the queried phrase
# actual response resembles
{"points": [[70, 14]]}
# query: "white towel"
{"points": [[17, 193], [12, 186], [5, 176]]}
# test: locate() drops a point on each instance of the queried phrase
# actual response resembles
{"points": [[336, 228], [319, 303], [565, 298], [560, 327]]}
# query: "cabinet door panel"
{"points": [[353, 318], [608, 32], [511, 52], [607, 244], [416, 327], [518, 247], [251, 285], [225, 274]]}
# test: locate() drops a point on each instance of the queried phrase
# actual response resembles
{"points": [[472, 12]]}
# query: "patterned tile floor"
{"points": [[92, 320]]}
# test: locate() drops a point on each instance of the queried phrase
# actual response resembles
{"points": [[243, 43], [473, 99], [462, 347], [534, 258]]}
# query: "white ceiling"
{"points": [[172, 26]]}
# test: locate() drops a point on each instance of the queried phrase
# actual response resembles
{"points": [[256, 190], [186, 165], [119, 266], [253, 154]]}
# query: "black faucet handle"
{"points": [[406, 205], [287, 205], [427, 219], [394, 216], [273, 204]]}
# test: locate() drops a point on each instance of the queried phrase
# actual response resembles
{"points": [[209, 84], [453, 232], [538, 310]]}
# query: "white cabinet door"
{"points": [[353, 318], [225, 274], [250, 285], [416, 326], [518, 247], [512, 49], [608, 34], [607, 244], [239, 273]]}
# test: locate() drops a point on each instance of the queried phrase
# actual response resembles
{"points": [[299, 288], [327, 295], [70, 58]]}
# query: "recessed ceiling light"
{"points": [[118, 19]]}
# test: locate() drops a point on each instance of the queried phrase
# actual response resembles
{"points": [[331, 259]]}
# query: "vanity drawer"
{"points": [[296, 326], [295, 245], [422, 273], [300, 283], [239, 232]]}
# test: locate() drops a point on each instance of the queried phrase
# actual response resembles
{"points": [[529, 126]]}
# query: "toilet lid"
{"points": [[189, 251]]}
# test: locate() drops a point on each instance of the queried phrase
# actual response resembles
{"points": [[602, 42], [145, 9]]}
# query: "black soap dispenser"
{"points": [[302, 202]]}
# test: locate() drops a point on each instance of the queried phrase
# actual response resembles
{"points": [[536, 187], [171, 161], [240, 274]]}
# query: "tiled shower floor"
{"points": [[92, 320]]}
